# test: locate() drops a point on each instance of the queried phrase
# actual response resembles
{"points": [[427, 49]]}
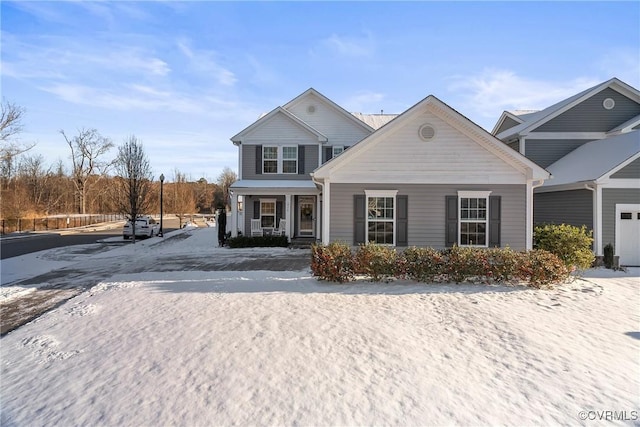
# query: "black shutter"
{"points": [[451, 229], [494, 221], [278, 213], [256, 209], [359, 218], [258, 159], [402, 221], [301, 149], [328, 154]]}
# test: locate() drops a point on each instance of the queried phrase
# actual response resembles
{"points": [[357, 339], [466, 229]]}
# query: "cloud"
{"points": [[623, 64], [348, 46], [495, 90], [203, 62]]}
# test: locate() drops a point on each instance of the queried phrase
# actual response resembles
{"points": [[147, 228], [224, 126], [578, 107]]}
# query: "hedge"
{"points": [[537, 268]]}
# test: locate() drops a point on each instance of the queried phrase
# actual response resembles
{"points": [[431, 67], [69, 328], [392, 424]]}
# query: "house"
{"points": [[590, 143], [428, 177], [277, 154]]}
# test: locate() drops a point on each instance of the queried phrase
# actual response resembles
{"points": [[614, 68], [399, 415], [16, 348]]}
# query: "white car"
{"points": [[145, 227]]}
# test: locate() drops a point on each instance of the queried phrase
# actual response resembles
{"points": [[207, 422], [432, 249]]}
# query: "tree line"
{"points": [[94, 183]]}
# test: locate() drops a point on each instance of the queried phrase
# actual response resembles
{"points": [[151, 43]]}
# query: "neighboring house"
{"points": [[591, 145], [278, 152]]}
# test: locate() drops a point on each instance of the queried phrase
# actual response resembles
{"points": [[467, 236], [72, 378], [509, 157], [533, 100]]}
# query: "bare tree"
{"points": [[134, 178], [86, 150], [183, 198], [225, 179], [10, 126]]}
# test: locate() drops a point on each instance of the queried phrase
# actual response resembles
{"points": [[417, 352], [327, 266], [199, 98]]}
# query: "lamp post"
{"points": [[161, 204]]}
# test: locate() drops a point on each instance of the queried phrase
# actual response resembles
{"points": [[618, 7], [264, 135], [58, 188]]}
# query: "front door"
{"points": [[306, 216]]}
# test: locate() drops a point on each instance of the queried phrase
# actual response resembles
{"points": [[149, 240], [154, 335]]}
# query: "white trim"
{"points": [[474, 195], [619, 208], [619, 183], [326, 208], [275, 210], [282, 159], [240, 148], [587, 136], [288, 214], [271, 160], [234, 214], [308, 200], [388, 194], [619, 167]]}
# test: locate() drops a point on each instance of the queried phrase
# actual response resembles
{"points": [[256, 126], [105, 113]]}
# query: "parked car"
{"points": [[145, 227]]}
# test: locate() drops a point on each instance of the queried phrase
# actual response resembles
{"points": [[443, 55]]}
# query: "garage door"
{"points": [[629, 237]]}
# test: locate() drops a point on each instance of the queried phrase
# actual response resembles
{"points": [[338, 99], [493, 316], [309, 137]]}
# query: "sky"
{"points": [[184, 77]]}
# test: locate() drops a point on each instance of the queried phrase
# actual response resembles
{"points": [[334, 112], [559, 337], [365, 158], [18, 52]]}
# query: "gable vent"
{"points": [[311, 109], [608, 103], [427, 132]]}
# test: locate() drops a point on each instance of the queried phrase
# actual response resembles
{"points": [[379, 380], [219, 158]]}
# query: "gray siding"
{"points": [[249, 164], [610, 198], [515, 145], [507, 124], [547, 151], [632, 170], [591, 116], [426, 219], [573, 207]]}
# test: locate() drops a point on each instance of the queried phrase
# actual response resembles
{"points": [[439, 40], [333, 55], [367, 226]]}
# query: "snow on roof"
{"points": [[376, 121], [594, 159], [273, 183]]}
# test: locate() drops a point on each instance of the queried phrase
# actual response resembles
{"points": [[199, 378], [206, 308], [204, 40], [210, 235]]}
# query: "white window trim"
{"points": [[274, 210], [473, 195], [276, 159], [381, 193], [333, 150], [280, 159]]}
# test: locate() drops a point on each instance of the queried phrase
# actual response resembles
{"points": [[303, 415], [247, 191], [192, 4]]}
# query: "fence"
{"points": [[56, 222]]}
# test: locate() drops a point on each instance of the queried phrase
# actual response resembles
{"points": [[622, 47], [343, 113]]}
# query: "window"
{"points": [[626, 215], [290, 159], [269, 159], [268, 213], [381, 214], [336, 150], [473, 218], [277, 159]]}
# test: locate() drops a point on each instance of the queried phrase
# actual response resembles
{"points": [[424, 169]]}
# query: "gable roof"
{"points": [[536, 119], [312, 91], [237, 139], [460, 122], [375, 121], [504, 116], [626, 126], [595, 159]]}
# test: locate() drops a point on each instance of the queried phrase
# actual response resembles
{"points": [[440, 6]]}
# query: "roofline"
{"points": [[330, 102], [237, 139], [502, 118], [585, 94]]}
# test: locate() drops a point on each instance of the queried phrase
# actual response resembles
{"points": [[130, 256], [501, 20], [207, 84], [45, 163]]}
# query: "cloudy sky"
{"points": [[184, 77]]}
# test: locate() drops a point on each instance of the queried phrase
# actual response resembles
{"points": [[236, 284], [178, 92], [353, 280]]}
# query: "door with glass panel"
{"points": [[306, 216]]}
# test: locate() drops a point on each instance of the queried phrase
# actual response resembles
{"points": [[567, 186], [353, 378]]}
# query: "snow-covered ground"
{"points": [[281, 348]]}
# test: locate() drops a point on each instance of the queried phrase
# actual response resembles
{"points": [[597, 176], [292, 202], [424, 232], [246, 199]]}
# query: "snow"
{"points": [[281, 348]]}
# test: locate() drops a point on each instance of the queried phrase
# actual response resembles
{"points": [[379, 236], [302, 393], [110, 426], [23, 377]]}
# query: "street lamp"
{"points": [[161, 204]]}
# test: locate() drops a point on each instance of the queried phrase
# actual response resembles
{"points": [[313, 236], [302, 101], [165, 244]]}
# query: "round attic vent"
{"points": [[311, 109], [608, 103], [427, 132]]}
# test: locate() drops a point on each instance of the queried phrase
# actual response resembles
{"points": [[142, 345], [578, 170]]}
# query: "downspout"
{"points": [[597, 226]]}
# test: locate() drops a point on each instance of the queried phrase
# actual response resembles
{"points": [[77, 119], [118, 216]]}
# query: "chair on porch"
{"points": [[282, 228], [256, 227]]}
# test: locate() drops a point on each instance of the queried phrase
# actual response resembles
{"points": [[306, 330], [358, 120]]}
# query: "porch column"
{"points": [[288, 214], [234, 214], [318, 216], [597, 224]]}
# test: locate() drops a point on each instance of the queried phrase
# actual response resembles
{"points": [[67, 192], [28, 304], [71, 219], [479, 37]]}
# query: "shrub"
{"points": [[571, 244], [465, 263], [542, 268], [422, 264], [503, 264], [608, 256], [375, 261], [333, 262], [258, 242]]}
